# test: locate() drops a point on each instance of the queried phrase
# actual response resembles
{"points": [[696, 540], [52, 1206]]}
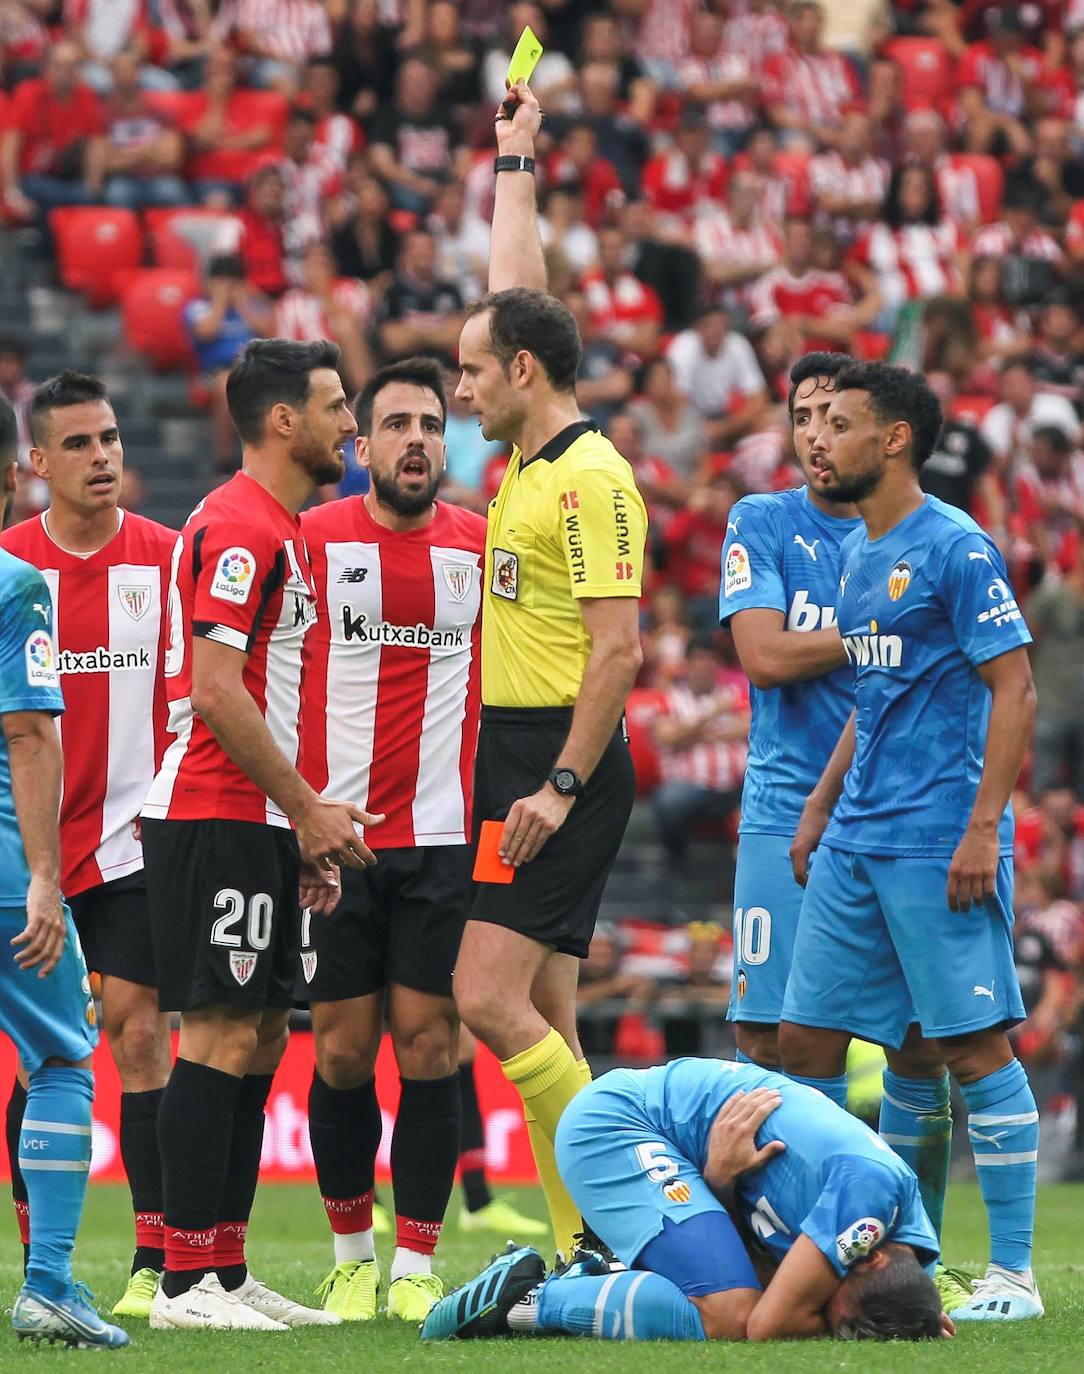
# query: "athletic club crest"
{"points": [[899, 579], [308, 964], [457, 578], [242, 966], [135, 600]]}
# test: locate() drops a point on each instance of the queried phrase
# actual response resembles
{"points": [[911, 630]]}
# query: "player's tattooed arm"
{"points": [[36, 770], [973, 871], [820, 803], [773, 656]]}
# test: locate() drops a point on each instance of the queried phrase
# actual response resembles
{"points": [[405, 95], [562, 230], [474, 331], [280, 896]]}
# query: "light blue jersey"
{"points": [[919, 610], [632, 1148], [782, 553], [28, 682]]}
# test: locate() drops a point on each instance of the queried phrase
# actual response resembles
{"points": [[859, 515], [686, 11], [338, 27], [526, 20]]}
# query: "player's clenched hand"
{"points": [[732, 1145], [319, 888], [327, 833], [813, 823], [43, 935], [531, 821], [972, 875], [518, 120]]}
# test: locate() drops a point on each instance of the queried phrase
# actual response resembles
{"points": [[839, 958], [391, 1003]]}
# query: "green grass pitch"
{"points": [[290, 1249]]}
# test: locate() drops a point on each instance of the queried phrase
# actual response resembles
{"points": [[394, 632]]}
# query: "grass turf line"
{"points": [[290, 1249]]}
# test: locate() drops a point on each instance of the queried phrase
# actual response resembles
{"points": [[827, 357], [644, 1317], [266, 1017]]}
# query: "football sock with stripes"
{"points": [[54, 1155], [139, 1150], [242, 1175], [630, 1306], [13, 1124], [1003, 1127], [834, 1088], [195, 1124], [424, 1153], [916, 1120], [472, 1156], [547, 1078], [345, 1127]]}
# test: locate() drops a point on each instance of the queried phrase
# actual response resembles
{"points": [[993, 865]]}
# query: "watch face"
{"points": [[565, 779]]}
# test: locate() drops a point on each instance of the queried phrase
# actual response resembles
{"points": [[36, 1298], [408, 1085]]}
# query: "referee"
{"points": [[560, 650]]}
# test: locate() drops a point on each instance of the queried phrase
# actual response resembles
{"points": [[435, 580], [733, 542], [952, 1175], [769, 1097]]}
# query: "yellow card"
{"points": [[525, 58]]}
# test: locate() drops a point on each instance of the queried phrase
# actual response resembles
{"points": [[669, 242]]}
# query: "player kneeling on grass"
{"points": [[841, 1244]]}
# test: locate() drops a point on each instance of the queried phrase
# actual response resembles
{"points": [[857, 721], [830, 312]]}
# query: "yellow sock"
{"points": [[547, 1078], [583, 1068]]}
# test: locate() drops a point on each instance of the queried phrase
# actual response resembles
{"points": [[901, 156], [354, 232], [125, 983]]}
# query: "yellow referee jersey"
{"points": [[565, 524]]}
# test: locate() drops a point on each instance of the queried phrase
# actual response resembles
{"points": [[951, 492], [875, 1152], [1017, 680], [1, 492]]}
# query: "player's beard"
{"points": [[323, 467], [390, 494], [847, 490]]}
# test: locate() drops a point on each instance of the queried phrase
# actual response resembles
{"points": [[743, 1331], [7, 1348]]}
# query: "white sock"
{"points": [[410, 1262], [359, 1245]]}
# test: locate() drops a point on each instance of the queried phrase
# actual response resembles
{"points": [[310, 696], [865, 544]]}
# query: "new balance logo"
{"points": [[353, 575], [979, 991], [810, 549]]}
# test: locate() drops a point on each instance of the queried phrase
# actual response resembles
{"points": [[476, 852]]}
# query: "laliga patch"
{"points": [[858, 1240], [40, 660], [308, 964], [234, 575], [678, 1191], [899, 579], [505, 574], [242, 966], [737, 574]]}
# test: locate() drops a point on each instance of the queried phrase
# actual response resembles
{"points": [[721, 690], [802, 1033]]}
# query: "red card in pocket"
{"points": [[489, 867]]}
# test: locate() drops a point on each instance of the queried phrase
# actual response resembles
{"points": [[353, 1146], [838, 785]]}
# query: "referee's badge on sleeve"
{"points": [[505, 574], [737, 575]]}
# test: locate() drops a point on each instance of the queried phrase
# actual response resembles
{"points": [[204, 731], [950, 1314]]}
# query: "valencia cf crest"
{"points": [[742, 983], [457, 578], [678, 1191], [899, 579], [242, 966], [135, 600], [308, 964]]}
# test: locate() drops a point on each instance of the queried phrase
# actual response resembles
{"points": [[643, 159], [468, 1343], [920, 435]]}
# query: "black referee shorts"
{"points": [[554, 898]]}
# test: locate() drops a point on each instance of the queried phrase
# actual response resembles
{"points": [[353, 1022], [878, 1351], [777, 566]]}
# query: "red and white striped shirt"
{"points": [[301, 316], [290, 30], [999, 82], [779, 294], [912, 262], [675, 188], [109, 618], [663, 33], [717, 239], [338, 135], [959, 191], [755, 33], [996, 241], [725, 67], [392, 686], [240, 576], [829, 175], [817, 87], [716, 764], [616, 307]]}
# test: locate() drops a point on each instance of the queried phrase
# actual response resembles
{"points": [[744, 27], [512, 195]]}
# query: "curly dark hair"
{"points": [[819, 363], [897, 393]]}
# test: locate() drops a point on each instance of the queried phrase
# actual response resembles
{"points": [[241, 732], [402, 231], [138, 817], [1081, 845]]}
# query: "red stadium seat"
{"points": [[94, 244], [926, 70], [152, 308], [989, 180], [182, 238]]}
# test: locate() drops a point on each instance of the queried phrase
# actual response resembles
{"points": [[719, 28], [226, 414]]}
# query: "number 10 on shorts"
{"points": [[752, 934]]}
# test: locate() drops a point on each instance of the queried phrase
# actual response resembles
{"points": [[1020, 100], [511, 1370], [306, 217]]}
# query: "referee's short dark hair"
{"points": [[273, 372], [416, 371], [530, 321], [819, 363], [66, 388], [897, 393]]}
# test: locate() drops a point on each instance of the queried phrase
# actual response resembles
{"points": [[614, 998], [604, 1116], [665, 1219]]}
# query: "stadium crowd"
{"points": [[725, 185]]}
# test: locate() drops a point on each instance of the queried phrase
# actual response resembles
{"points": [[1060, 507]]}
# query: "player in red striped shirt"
{"points": [[108, 575], [230, 827], [391, 719]]}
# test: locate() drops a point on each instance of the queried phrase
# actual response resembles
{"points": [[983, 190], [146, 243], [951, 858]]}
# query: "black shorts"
{"points": [[224, 912], [554, 899], [114, 928], [400, 922]]}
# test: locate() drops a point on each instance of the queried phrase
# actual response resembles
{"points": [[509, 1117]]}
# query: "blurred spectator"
{"points": [[995, 320], [856, 27], [31, 494], [663, 490], [603, 383], [222, 135], [24, 39], [694, 546], [924, 146], [720, 81], [756, 27], [185, 31], [701, 733], [144, 152], [1050, 489], [275, 38], [782, 185], [735, 245], [847, 183], [811, 309], [960, 468], [807, 88], [413, 140], [363, 241], [997, 80], [1057, 358], [52, 151], [554, 78], [312, 177], [1008, 426], [1050, 839], [570, 243], [328, 307], [1055, 616], [718, 371], [454, 60], [1048, 987], [621, 306], [104, 28], [1055, 170], [669, 268], [257, 232], [665, 637], [705, 980], [620, 140], [338, 135], [673, 429], [601, 42], [462, 240], [221, 324], [133, 489], [577, 159], [685, 179], [421, 313], [469, 453], [1031, 259], [365, 58], [614, 994]]}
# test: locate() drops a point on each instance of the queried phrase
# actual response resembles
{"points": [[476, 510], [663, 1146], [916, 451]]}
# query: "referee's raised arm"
{"points": [[515, 255]]}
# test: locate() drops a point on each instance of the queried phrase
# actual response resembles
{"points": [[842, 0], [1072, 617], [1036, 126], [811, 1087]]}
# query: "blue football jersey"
{"points": [[836, 1182], [782, 554], [919, 610], [28, 682]]}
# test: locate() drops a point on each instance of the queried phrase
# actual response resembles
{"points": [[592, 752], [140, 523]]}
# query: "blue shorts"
{"points": [[642, 1196], [767, 902], [46, 1018], [878, 948]]}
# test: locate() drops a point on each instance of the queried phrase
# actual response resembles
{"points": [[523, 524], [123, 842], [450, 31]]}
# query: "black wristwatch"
{"points": [[566, 782], [514, 162]]}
